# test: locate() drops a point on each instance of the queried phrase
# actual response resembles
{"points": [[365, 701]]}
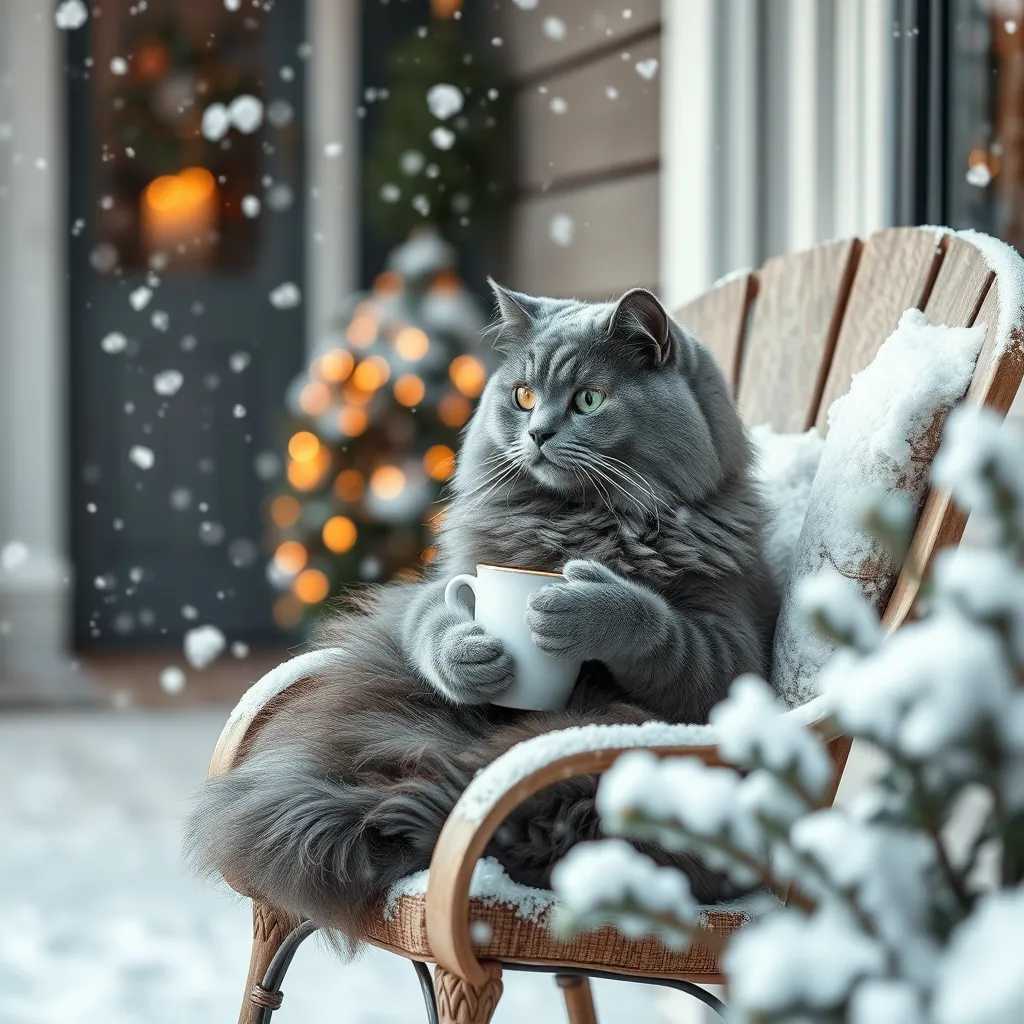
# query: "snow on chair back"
{"points": [[818, 317]]}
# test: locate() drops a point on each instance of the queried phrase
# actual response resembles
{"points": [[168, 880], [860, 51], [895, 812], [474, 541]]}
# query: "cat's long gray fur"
{"points": [[645, 503]]}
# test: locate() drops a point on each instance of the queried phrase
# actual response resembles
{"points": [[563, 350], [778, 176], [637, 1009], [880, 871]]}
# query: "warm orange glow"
{"points": [[339, 534], [446, 281], [453, 410], [409, 389], [349, 485], [439, 461], [304, 446], [408, 573], [411, 343], [311, 586], [304, 476], [335, 366], [315, 398], [387, 482], [287, 611], [178, 208], [151, 60], [291, 557], [352, 421], [445, 8], [436, 521], [430, 554], [356, 396], [371, 373], [388, 282], [362, 330], [468, 375], [285, 510]]}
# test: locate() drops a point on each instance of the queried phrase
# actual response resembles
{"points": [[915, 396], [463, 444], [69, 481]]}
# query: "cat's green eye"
{"points": [[587, 400], [524, 397]]}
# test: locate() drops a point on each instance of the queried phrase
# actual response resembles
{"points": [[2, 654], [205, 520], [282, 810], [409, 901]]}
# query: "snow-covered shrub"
{"points": [[891, 917]]}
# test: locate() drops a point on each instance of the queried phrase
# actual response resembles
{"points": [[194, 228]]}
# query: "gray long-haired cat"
{"points": [[606, 446]]}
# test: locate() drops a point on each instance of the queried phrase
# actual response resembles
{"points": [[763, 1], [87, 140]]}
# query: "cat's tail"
{"points": [[284, 830]]}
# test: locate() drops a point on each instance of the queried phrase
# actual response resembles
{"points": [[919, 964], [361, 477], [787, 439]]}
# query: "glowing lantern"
{"points": [[349, 485], [371, 373], [311, 586], [453, 410], [315, 398], [178, 208], [352, 421], [409, 390], [468, 375], [339, 534], [335, 366], [439, 461], [387, 482], [411, 343], [285, 510], [291, 557], [304, 446]]}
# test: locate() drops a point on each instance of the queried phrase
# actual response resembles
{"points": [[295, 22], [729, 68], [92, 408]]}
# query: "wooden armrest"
{"points": [[516, 776], [260, 702]]}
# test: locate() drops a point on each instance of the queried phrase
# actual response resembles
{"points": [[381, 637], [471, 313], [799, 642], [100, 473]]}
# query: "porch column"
{"points": [[35, 572]]}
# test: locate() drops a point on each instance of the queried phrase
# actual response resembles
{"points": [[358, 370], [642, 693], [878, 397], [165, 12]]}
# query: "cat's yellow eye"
{"points": [[524, 397], [587, 400]]}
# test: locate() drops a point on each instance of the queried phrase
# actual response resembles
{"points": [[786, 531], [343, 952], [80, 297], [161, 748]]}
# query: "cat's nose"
{"points": [[540, 436]]}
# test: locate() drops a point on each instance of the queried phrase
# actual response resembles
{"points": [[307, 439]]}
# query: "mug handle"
{"points": [[455, 584]]}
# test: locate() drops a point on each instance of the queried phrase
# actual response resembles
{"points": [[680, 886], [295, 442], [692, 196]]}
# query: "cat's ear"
{"points": [[515, 309], [640, 319]]}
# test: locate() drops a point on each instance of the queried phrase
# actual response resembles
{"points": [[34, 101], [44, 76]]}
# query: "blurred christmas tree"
{"points": [[377, 420]]}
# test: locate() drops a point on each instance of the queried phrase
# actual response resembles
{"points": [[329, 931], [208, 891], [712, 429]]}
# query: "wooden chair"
{"points": [[788, 336]]}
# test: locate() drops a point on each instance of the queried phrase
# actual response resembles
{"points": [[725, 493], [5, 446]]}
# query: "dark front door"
{"points": [[186, 316]]}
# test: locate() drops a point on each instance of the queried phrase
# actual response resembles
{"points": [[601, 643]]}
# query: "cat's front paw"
{"points": [[470, 666]]}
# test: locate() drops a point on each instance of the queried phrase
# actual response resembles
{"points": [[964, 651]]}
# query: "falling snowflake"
{"points": [[444, 101], [114, 342], [526, 5], [139, 299], [71, 14], [267, 465], [189, 611], [216, 122], [238, 361], [239, 649], [560, 229], [286, 296], [168, 382], [442, 138], [160, 320], [181, 499], [333, 150], [611, 92], [979, 175], [492, 94], [647, 68], [211, 533], [172, 679], [203, 645], [280, 113], [558, 105], [390, 193], [141, 456], [242, 553], [554, 28], [481, 932], [421, 204], [232, 5], [251, 206], [280, 197], [246, 113], [411, 162], [135, 574], [119, 66], [13, 555], [103, 258], [238, 412]]}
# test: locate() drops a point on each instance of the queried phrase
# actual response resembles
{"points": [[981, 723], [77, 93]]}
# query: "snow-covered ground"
{"points": [[99, 919]]}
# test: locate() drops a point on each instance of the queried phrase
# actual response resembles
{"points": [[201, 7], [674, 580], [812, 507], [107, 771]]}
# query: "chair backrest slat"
{"points": [[800, 302], [895, 272], [719, 319], [960, 286]]}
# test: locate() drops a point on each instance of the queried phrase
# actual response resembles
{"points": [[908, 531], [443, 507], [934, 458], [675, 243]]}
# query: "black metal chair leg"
{"points": [[270, 988], [427, 985]]}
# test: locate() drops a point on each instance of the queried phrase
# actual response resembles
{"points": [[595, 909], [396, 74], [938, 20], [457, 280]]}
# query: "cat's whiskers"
{"points": [[637, 475]]}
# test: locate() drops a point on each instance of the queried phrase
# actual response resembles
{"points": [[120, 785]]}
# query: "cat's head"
{"points": [[615, 400]]}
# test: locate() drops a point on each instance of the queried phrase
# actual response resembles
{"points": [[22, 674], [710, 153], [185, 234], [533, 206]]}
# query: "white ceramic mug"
{"points": [[542, 681]]}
